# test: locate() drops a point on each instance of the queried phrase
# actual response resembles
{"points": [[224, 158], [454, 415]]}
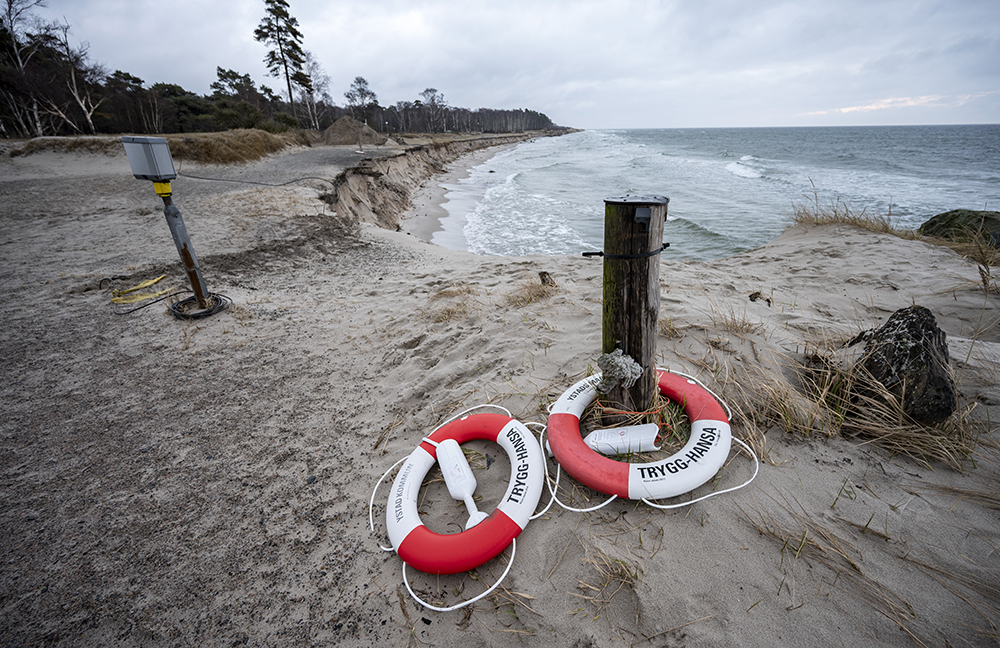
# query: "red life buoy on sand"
{"points": [[435, 553], [696, 463]]}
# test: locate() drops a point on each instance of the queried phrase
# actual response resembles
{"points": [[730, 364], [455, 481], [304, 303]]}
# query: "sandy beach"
{"points": [[207, 482], [428, 201]]}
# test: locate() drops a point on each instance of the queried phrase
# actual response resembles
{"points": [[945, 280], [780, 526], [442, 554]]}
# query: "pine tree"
{"points": [[280, 30]]}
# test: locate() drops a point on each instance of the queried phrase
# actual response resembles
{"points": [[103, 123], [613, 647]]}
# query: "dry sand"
{"points": [[206, 483]]}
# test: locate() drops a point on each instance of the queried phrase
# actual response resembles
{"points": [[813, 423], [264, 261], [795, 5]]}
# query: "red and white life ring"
{"points": [[696, 463], [435, 553]]}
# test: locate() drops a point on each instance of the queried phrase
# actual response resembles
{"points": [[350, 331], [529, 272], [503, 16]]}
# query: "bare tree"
{"points": [[360, 98], [435, 105], [404, 112], [82, 78], [317, 99], [17, 20]]}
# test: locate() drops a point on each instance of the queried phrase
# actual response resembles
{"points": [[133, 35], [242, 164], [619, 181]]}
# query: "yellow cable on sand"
{"points": [[144, 284], [123, 296], [131, 299]]}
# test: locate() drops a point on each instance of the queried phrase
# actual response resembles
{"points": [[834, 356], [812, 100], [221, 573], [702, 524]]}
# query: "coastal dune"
{"points": [[207, 482]]}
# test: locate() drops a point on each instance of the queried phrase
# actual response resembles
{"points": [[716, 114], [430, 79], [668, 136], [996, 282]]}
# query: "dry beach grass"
{"points": [[206, 483]]}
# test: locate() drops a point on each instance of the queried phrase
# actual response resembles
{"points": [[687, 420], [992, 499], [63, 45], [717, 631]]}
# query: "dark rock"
{"points": [[909, 356], [964, 224]]}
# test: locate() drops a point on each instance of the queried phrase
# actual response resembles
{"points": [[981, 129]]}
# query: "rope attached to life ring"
{"points": [[513, 544]]}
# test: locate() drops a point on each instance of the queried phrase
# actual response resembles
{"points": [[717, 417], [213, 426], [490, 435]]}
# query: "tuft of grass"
{"points": [[977, 247], [843, 214], [462, 293], [731, 321], [806, 538], [449, 313], [613, 573], [667, 328], [764, 397], [529, 292], [458, 290], [833, 542], [816, 394], [862, 407]]}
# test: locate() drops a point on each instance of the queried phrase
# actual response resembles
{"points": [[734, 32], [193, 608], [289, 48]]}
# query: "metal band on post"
{"points": [[626, 256]]}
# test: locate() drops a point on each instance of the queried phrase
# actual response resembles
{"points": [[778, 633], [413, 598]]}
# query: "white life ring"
{"points": [[435, 553], [696, 463]]}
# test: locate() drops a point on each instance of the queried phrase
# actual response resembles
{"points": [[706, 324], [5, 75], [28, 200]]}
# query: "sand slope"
{"points": [[207, 483]]}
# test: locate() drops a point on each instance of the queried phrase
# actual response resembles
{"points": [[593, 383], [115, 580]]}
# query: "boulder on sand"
{"points": [[908, 355], [964, 224]]}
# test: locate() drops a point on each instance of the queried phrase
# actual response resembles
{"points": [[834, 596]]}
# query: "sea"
{"points": [[730, 189]]}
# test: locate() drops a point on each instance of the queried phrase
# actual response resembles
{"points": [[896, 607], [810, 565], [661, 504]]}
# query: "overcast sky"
{"points": [[593, 64]]}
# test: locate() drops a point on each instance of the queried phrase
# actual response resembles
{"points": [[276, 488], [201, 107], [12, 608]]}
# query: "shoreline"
{"points": [[427, 215]]}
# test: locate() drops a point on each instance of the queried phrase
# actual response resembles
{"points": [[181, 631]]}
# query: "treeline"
{"points": [[50, 87]]}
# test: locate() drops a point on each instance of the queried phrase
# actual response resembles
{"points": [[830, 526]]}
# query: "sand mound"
{"points": [[345, 131]]}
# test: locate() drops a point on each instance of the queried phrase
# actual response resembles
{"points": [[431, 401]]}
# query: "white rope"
{"points": [[555, 499], [371, 502], [549, 505], [756, 468], [513, 550]]}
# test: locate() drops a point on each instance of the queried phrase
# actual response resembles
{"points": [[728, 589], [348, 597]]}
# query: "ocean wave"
{"points": [[546, 197], [689, 240], [743, 171]]}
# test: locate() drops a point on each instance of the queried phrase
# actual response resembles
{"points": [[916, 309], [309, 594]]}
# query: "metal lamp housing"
{"points": [[149, 158]]}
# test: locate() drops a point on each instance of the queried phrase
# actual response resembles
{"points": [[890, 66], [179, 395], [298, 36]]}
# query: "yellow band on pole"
{"points": [[162, 188]]}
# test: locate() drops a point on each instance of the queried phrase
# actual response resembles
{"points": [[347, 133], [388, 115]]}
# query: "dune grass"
{"points": [[614, 575], [231, 147], [95, 144], [529, 292], [860, 406], [459, 302], [843, 214], [225, 147], [973, 245], [813, 394], [852, 405]]}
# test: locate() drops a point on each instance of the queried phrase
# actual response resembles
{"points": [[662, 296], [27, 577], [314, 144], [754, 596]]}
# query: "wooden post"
{"points": [[633, 238]]}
